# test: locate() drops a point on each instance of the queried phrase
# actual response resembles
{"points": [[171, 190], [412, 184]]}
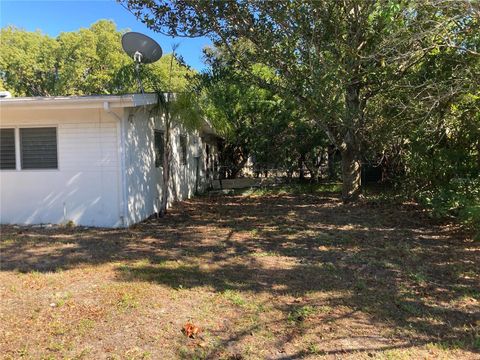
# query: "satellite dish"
{"points": [[141, 48]]}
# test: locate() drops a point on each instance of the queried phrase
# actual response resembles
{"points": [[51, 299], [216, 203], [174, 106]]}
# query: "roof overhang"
{"points": [[79, 102], [105, 102]]}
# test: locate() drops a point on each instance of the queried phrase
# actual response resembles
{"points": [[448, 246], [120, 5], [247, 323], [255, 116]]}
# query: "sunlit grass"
{"points": [[261, 276], [292, 189]]}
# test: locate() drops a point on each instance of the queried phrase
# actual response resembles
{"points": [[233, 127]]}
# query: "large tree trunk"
{"points": [[350, 147], [351, 172]]}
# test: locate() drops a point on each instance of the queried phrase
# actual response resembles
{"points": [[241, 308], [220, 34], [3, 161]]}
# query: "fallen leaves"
{"points": [[190, 330]]}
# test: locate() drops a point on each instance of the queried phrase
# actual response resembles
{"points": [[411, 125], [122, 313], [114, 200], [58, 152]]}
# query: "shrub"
{"points": [[459, 198]]}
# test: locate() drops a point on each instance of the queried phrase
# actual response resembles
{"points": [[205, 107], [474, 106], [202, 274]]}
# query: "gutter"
{"points": [[121, 130], [78, 102]]}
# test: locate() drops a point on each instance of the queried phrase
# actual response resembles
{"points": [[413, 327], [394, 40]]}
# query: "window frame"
{"points": [[20, 154], [14, 147]]}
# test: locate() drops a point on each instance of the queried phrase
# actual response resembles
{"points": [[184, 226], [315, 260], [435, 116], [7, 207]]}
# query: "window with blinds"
{"points": [[7, 149], [159, 148], [38, 148]]}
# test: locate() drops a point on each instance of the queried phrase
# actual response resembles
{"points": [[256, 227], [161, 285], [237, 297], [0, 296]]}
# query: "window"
{"points": [[183, 150], [7, 149], [38, 148], [159, 148]]}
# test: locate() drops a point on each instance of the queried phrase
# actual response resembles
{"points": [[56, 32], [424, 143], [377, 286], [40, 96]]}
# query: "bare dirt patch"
{"points": [[263, 277]]}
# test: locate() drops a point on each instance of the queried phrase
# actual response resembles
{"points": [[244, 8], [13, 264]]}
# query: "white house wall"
{"points": [[84, 189], [143, 179]]}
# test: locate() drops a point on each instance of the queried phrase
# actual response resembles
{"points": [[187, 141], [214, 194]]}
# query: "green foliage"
{"points": [[440, 144], [85, 62], [235, 297], [427, 128], [301, 313], [186, 109], [89, 59], [256, 122], [27, 62], [469, 214], [459, 198]]}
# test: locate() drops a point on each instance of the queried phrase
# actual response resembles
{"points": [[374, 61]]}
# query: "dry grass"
{"points": [[264, 277]]}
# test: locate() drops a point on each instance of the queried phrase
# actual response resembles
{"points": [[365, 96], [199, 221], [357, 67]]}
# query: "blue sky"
{"points": [[54, 17]]}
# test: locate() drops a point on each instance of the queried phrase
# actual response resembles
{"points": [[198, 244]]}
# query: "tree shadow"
{"points": [[391, 263]]}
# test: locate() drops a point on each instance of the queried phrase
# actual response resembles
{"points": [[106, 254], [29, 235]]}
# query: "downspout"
{"points": [[121, 129]]}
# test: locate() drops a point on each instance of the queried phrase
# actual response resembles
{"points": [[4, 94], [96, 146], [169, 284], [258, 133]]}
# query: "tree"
{"points": [[27, 62], [238, 110], [333, 57], [85, 62], [428, 131], [256, 123]]}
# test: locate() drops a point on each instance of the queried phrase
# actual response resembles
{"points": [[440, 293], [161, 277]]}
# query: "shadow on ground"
{"points": [[389, 262]]}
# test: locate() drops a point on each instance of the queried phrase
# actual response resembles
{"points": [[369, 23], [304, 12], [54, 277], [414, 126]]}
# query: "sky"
{"points": [[54, 17]]}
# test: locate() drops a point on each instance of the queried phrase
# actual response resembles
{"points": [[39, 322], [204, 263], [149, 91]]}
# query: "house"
{"points": [[94, 160]]}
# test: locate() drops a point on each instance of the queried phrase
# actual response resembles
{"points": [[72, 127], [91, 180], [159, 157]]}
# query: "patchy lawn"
{"points": [[275, 276]]}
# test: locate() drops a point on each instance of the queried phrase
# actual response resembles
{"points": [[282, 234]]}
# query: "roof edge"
{"points": [[79, 102]]}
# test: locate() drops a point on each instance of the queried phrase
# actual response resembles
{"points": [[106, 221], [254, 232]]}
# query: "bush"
{"points": [[470, 215], [459, 198]]}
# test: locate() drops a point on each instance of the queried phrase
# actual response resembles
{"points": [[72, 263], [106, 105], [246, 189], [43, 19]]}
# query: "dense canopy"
{"points": [[84, 62]]}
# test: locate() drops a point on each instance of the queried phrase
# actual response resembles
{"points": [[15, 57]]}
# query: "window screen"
{"points": [[159, 144], [7, 149], [183, 150], [38, 148]]}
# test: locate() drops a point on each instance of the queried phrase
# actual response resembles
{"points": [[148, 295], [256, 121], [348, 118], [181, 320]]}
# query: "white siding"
{"points": [[106, 172], [86, 187], [143, 179]]}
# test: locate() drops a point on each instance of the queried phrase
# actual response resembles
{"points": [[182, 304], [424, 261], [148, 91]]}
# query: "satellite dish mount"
{"points": [[142, 49], [137, 57]]}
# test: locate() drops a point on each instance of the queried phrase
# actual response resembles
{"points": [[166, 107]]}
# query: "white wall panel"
{"points": [[84, 188]]}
